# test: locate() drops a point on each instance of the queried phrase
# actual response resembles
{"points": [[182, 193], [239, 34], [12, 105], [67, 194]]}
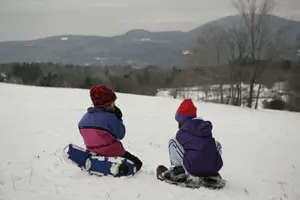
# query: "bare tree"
{"points": [[255, 17], [257, 96], [211, 50], [174, 92], [237, 43], [298, 48]]}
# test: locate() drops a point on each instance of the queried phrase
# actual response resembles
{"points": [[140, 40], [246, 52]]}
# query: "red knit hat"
{"points": [[186, 111], [102, 96]]}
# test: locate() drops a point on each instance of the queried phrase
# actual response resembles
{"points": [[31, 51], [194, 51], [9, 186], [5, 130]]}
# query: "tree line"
{"points": [[147, 81]]}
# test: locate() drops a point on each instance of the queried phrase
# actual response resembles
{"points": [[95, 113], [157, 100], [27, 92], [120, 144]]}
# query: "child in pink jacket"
{"points": [[102, 127]]}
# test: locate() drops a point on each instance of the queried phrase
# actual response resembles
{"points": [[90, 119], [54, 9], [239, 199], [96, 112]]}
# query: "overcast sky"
{"points": [[31, 19]]}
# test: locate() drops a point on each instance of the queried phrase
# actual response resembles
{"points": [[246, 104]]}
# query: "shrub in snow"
{"points": [[275, 104]]}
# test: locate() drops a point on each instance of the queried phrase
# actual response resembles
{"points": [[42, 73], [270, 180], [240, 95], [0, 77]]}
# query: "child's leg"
{"points": [[138, 163], [176, 152]]}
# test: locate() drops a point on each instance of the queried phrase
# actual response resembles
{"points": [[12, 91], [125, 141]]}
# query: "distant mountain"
{"points": [[136, 47]]}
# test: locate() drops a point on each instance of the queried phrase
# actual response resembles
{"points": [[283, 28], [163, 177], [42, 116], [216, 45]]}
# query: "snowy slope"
{"points": [[260, 148]]}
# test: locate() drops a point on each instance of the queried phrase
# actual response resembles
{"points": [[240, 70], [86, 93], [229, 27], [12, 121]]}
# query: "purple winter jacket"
{"points": [[201, 157]]}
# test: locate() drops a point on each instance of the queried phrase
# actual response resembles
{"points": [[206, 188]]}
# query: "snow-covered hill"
{"points": [[260, 148]]}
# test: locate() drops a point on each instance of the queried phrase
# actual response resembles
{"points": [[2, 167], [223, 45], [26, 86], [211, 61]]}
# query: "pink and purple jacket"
{"points": [[101, 131]]}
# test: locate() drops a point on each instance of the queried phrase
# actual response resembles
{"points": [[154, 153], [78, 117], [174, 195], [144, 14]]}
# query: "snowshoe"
{"points": [[177, 176], [98, 165]]}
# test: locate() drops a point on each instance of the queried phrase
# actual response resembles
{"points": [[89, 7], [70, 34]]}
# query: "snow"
{"points": [[212, 93], [259, 148], [145, 39], [186, 52], [3, 75], [100, 58]]}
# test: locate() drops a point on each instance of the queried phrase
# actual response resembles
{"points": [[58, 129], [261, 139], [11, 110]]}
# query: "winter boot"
{"points": [[123, 170], [176, 174]]}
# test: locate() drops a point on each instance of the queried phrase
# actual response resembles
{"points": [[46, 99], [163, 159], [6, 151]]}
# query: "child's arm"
{"points": [[117, 127], [219, 147]]}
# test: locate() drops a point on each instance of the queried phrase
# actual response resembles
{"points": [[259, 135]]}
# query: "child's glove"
{"points": [[219, 147], [118, 112]]}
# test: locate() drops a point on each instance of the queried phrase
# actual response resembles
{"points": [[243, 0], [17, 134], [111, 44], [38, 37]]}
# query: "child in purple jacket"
{"points": [[194, 150]]}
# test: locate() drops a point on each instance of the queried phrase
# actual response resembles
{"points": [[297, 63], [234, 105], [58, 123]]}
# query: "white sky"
{"points": [[30, 19]]}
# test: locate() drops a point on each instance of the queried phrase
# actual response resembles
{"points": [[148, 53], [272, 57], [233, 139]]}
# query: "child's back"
{"points": [[101, 130], [201, 157]]}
